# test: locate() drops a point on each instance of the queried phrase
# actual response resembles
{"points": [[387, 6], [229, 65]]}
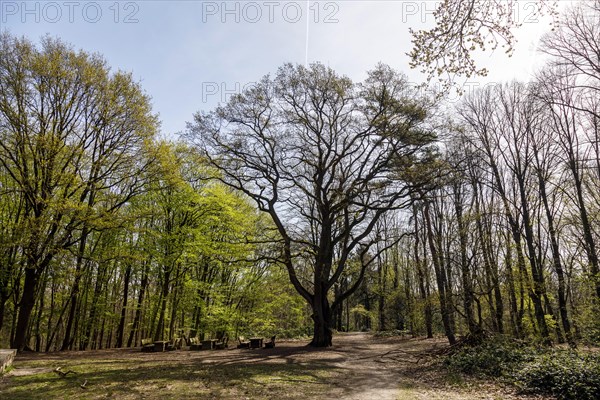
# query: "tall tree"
{"points": [[68, 128], [319, 154]]}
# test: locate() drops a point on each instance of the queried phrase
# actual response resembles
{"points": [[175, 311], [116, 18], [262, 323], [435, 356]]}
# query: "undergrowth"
{"points": [[563, 373]]}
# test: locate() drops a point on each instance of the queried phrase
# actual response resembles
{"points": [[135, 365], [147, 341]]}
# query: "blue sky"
{"points": [[190, 55]]}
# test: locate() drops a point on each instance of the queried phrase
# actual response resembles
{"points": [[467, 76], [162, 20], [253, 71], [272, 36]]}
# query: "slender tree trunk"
{"points": [[138, 309], [121, 327], [423, 281], [160, 329], [590, 244], [539, 287], [445, 300], [474, 328], [382, 281], [556, 261], [68, 339]]}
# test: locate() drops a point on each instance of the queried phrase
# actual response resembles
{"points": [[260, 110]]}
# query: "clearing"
{"points": [[358, 367]]}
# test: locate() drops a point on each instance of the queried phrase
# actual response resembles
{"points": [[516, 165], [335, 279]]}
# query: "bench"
{"points": [[195, 344], [244, 344], [222, 344], [175, 344], [147, 344], [271, 343]]}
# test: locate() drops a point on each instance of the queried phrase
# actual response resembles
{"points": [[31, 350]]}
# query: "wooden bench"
{"points": [[208, 344], [147, 344], [195, 344], [271, 343], [175, 344], [244, 344], [222, 344]]}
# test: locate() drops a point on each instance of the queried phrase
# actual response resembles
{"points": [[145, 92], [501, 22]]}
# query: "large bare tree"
{"points": [[325, 158]]}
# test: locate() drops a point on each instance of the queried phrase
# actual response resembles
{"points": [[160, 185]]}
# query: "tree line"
{"points": [[306, 204]]}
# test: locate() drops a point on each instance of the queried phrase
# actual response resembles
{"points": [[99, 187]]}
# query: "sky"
{"points": [[191, 55]]}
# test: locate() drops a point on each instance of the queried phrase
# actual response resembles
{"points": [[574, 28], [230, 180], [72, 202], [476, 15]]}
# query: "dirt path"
{"points": [[357, 367]]}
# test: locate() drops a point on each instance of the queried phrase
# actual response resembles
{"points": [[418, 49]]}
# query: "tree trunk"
{"points": [[138, 308], [160, 328], [562, 298], [538, 290], [25, 308], [445, 300], [474, 328], [423, 280], [121, 328], [322, 334]]}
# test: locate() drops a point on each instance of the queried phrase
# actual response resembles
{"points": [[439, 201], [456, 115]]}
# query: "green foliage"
{"points": [[276, 309], [494, 357], [564, 374]]}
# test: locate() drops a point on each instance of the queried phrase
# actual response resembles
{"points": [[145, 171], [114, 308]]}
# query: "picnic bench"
{"points": [[256, 342], [175, 344], [160, 345], [222, 344], [147, 344], [271, 343], [195, 344], [209, 344], [244, 344]]}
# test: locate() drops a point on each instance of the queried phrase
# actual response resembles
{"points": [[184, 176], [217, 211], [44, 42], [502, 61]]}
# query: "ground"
{"points": [[357, 367]]}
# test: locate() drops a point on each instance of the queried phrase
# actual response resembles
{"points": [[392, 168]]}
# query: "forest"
{"points": [[306, 205]]}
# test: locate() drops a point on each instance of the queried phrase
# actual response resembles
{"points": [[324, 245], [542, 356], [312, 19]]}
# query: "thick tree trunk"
{"points": [[25, 309], [322, 334]]}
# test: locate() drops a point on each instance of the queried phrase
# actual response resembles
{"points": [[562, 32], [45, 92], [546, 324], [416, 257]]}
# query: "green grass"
{"points": [[153, 380]]}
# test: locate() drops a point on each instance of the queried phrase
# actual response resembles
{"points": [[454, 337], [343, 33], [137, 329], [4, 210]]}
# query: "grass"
{"points": [[133, 379]]}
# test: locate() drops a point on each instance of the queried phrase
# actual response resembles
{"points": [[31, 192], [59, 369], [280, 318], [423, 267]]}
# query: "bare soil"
{"points": [[358, 367]]}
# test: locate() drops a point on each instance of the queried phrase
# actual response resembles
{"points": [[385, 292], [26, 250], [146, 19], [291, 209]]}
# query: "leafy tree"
{"points": [[69, 128]]}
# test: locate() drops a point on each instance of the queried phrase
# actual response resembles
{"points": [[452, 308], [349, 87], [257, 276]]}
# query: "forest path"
{"points": [[396, 369]]}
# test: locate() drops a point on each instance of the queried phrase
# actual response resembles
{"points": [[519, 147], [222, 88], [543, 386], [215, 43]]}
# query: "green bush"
{"points": [[495, 356], [564, 374]]}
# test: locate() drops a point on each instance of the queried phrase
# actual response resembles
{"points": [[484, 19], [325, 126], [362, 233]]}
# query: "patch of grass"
{"points": [[154, 379]]}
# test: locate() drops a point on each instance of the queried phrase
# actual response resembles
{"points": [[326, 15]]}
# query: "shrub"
{"points": [[495, 356], [564, 374]]}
